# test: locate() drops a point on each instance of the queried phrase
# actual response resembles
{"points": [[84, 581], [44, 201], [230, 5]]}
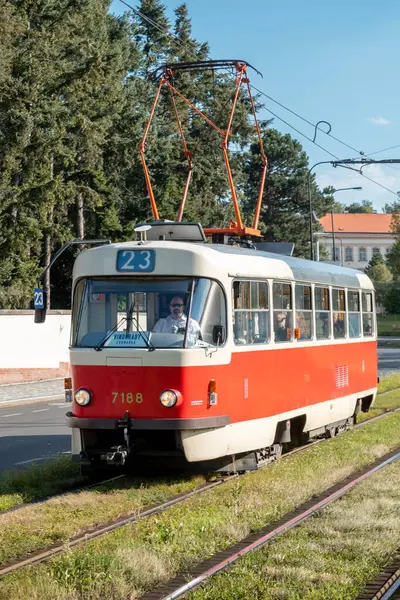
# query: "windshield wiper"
{"points": [[100, 345], [150, 346]]}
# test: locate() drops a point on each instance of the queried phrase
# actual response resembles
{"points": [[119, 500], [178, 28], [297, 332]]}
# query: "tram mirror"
{"points": [[218, 335]]}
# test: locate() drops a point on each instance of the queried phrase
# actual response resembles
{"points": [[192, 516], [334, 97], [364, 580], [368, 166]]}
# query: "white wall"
{"points": [[355, 242], [24, 344]]}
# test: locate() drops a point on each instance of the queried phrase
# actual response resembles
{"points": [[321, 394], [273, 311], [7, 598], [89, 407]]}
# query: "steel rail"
{"points": [[385, 585], [51, 551], [204, 571]]}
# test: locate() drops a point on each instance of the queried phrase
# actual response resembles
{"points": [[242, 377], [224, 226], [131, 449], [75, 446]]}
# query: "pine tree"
{"points": [[62, 92], [378, 270]]}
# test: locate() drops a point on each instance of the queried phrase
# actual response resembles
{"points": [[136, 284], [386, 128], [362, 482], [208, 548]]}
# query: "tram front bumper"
{"points": [[148, 424]]}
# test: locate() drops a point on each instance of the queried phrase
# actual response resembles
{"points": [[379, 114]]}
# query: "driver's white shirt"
{"points": [[170, 325]]}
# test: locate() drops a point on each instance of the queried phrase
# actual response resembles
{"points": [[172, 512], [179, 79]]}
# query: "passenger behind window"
{"points": [[303, 322], [338, 325], [354, 325], [280, 327], [323, 325]]}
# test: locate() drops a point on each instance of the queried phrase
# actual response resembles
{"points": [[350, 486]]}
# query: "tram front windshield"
{"points": [[147, 312]]}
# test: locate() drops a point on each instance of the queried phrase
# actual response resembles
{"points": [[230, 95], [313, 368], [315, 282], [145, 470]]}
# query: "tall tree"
{"points": [[365, 206], [378, 270], [394, 207], [57, 107]]}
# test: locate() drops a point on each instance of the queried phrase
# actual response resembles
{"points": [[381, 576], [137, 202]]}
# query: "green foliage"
{"points": [[391, 300], [365, 206], [74, 104], [394, 207], [393, 259], [378, 270]]}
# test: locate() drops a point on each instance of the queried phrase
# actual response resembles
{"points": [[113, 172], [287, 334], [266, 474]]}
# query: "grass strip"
{"points": [[388, 325], [39, 481], [137, 558], [62, 518], [387, 399], [331, 556]]}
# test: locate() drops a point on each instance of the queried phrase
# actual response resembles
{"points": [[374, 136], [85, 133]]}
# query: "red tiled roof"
{"points": [[357, 223]]}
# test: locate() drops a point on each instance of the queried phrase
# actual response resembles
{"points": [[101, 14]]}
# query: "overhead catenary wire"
{"points": [[307, 121], [167, 32]]}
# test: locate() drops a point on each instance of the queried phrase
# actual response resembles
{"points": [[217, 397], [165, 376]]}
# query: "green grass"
{"points": [[138, 557], [331, 556], [389, 383], [39, 481], [388, 398], [388, 325]]}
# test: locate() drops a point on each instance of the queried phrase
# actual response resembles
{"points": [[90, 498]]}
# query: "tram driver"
{"points": [[176, 321]]}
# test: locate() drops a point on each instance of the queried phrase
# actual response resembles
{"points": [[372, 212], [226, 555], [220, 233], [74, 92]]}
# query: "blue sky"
{"points": [[335, 61]]}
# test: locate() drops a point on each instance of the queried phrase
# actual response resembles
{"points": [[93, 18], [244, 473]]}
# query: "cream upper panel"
{"points": [[175, 258], [218, 262]]}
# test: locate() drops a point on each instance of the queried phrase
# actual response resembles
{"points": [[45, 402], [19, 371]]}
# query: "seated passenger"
{"points": [[280, 327], [303, 323], [338, 326], [176, 321]]}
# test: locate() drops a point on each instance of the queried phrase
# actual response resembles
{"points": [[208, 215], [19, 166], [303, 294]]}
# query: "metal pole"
{"points": [[333, 238], [322, 162]]}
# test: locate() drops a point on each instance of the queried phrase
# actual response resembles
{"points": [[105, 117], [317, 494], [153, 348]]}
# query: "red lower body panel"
{"points": [[253, 385]]}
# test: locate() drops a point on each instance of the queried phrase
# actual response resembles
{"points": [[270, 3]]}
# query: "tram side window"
{"points": [[353, 306], [304, 320], [339, 313], [283, 313], [322, 314], [250, 312], [368, 313]]}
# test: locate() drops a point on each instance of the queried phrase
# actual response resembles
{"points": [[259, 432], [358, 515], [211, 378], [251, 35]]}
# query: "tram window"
{"points": [[322, 314], [304, 320], [149, 313], [339, 313], [353, 306], [250, 312], [368, 314], [282, 304]]}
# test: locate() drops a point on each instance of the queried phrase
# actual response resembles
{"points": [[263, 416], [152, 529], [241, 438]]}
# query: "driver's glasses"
{"points": [[177, 305]]}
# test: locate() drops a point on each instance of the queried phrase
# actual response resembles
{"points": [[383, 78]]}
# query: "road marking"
{"points": [[58, 404], [25, 462], [40, 410], [66, 452], [13, 415]]}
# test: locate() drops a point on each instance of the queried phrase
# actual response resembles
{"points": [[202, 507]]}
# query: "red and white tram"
{"points": [[266, 349]]}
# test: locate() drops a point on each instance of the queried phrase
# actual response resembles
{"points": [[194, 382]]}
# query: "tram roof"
{"points": [[185, 258]]}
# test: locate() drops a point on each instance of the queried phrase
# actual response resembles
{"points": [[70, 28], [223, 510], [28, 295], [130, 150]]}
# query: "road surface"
{"points": [[32, 432], [389, 361]]}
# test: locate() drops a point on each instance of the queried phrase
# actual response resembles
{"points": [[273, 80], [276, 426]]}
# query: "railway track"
{"points": [[386, 585], [181, 585], [90, 534]]}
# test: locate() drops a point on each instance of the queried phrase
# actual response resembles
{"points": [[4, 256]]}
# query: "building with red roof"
{"points": [[358, 237]]}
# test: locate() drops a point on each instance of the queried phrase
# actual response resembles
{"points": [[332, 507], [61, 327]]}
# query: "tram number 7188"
{"points": [[126, 397]]}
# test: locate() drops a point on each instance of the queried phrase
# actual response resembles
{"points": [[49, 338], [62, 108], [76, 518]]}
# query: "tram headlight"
{"points": [[82, 397], [168, 398]]}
